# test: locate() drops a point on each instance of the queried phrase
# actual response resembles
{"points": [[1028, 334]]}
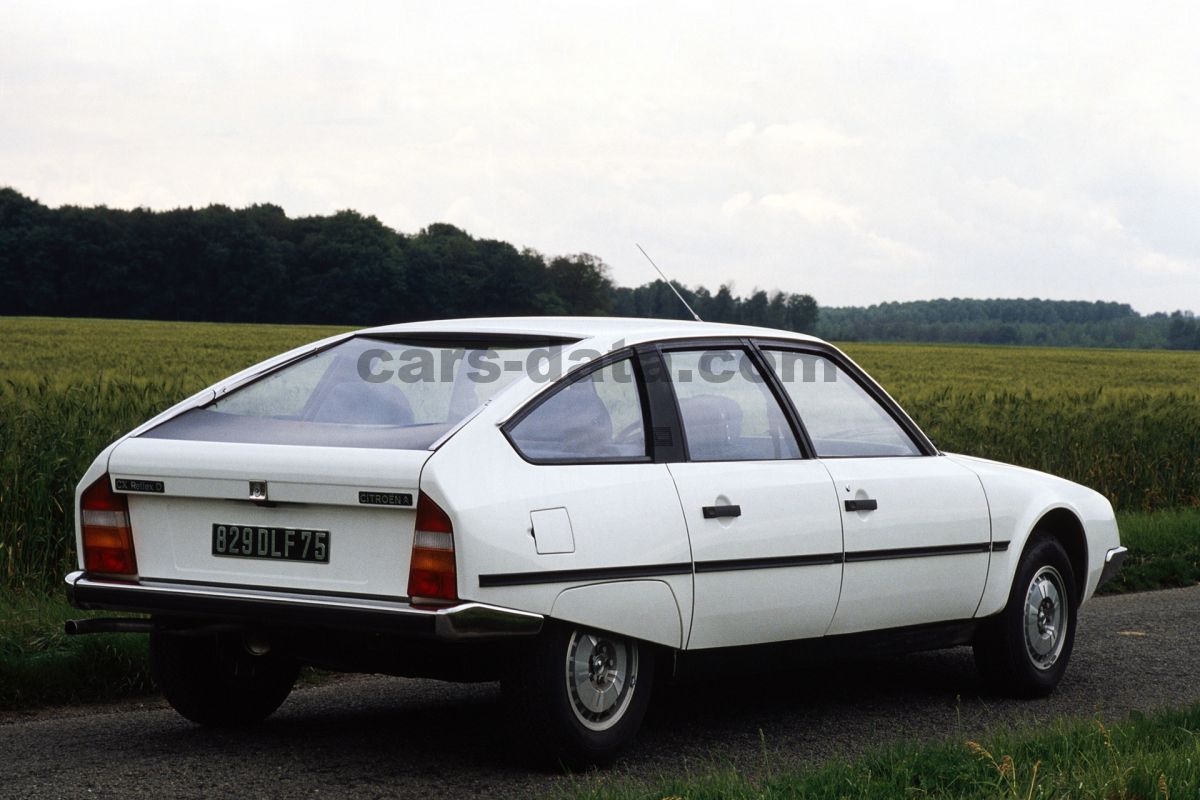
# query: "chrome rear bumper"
{"points": [[1112, 564], [275, 607]]}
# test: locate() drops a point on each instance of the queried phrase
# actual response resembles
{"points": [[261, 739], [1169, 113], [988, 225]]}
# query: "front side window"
{"points": [[594, 418], [727, 409], [364, 392], [841, 417]]}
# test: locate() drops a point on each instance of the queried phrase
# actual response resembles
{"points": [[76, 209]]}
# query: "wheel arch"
{"points": [[646, 610], [1021, 529], [1065, 526]]}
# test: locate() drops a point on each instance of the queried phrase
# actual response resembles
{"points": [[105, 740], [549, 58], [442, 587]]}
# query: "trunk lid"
{"points": [[365, 498]]}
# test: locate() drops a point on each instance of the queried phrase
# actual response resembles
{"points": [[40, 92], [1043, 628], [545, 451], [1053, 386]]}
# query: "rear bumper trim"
{"points": [[1112, 564], [275, 607]]}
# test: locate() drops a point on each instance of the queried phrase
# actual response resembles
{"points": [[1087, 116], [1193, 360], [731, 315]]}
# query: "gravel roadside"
{"points": [[368, 736]]}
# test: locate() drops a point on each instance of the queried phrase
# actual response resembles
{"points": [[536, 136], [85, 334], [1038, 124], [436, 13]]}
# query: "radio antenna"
{"points": [[670, 285]]}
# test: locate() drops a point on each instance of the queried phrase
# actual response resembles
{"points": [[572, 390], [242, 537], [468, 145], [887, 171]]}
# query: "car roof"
{"points": [[601, 333]]}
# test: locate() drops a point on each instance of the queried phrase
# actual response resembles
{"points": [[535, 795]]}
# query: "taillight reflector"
{"points": [[107, 537], [431, 571]]}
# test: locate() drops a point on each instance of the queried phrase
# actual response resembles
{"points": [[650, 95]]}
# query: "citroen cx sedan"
{"points": [[574, 507]]}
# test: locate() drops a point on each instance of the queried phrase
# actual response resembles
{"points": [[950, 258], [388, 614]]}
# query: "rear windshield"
{"points": [[365, 392]]}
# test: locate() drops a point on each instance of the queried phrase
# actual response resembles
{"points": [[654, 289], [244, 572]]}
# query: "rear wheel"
{"points": [[577, 696], [1024, 650], [220, 679]]}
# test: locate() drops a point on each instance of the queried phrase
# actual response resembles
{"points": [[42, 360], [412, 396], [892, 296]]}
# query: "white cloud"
{"points": [[737, 203], [741, 134], [815, 134], [812, 208], [896, 252], [1152, 263]]}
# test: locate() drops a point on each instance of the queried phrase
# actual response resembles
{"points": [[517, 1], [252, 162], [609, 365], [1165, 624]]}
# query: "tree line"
{"points": [[1063, 323], [256, 264]]}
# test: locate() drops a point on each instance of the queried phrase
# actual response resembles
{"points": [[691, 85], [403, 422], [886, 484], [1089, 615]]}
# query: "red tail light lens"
{"points": [[431, 572], [107, 537]]}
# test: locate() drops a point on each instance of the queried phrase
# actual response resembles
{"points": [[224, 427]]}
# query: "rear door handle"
{"points": [[716, 512], [861, 505]]}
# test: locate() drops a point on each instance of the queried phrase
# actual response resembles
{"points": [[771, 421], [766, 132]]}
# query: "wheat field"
{"points": [[1124, 422]]}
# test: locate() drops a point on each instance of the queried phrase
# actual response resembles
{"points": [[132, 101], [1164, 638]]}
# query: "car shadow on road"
{"points": [[392, 730]]}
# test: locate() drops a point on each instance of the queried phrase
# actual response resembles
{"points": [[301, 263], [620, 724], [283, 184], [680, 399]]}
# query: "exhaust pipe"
{"points": [[78, 627]]}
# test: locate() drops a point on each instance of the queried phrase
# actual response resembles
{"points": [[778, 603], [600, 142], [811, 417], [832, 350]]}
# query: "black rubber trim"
{"points": [[721, 512], [667, 438], [999, 547], [591, 574], [730, 565], [917, 552], [459, 338], [736, 564]]}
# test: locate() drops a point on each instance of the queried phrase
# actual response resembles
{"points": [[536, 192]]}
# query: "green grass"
{"points": [[1164, 550], [1143, 756], [41, 665]]}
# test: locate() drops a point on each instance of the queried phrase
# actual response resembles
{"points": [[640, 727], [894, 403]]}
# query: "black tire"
{"points": [[212, 679], [562, 717], [1028, 660]]}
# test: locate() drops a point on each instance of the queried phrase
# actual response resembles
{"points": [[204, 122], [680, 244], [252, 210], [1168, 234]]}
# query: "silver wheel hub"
{"points": [[601, 673], [1046, 617]]}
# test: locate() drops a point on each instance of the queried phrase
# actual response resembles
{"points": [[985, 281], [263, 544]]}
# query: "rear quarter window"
{"points": [[595, 418]]}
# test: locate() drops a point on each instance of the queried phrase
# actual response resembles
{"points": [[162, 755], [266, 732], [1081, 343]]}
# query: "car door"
{"points": [[916, 525], [762, 519]]}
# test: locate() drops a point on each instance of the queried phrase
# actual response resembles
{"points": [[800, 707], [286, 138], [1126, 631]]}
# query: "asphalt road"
{"points": [[388, 737]]}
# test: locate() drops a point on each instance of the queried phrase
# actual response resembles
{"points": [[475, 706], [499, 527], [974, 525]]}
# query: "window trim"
{"points": [[923, 443], [578, 374], [803, 444]]}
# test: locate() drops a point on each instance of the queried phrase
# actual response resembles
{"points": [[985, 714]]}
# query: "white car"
{"points": [[572, 506]]}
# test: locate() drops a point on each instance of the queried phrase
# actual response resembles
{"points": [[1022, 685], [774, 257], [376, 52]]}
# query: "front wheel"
{"points": [[219, 679], [576, 697], [1024, 650]]}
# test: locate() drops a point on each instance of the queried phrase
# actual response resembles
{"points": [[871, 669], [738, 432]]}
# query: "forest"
{"points": [[256, 264], [1061, 323]]}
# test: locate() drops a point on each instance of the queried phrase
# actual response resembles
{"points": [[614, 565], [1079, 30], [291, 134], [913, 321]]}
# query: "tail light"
{"points": [[107, 537], [431, 573]]}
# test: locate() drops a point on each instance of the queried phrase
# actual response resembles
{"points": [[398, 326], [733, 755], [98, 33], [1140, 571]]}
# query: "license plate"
{"points": [[279, 544]]}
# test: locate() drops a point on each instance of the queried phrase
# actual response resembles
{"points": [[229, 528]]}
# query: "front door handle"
{"points": [[716, 512], [861, 505]]}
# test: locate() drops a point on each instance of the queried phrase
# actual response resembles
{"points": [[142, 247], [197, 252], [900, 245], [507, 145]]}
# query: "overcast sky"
{"points": [[860, 152]]}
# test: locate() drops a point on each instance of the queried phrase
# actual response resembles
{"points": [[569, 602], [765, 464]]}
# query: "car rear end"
{"points": [[290, 506]]}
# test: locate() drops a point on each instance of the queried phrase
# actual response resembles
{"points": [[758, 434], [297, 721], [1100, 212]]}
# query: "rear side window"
{"points": [[728, 412], [597, 418], [841, 417], [365, 392]]}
